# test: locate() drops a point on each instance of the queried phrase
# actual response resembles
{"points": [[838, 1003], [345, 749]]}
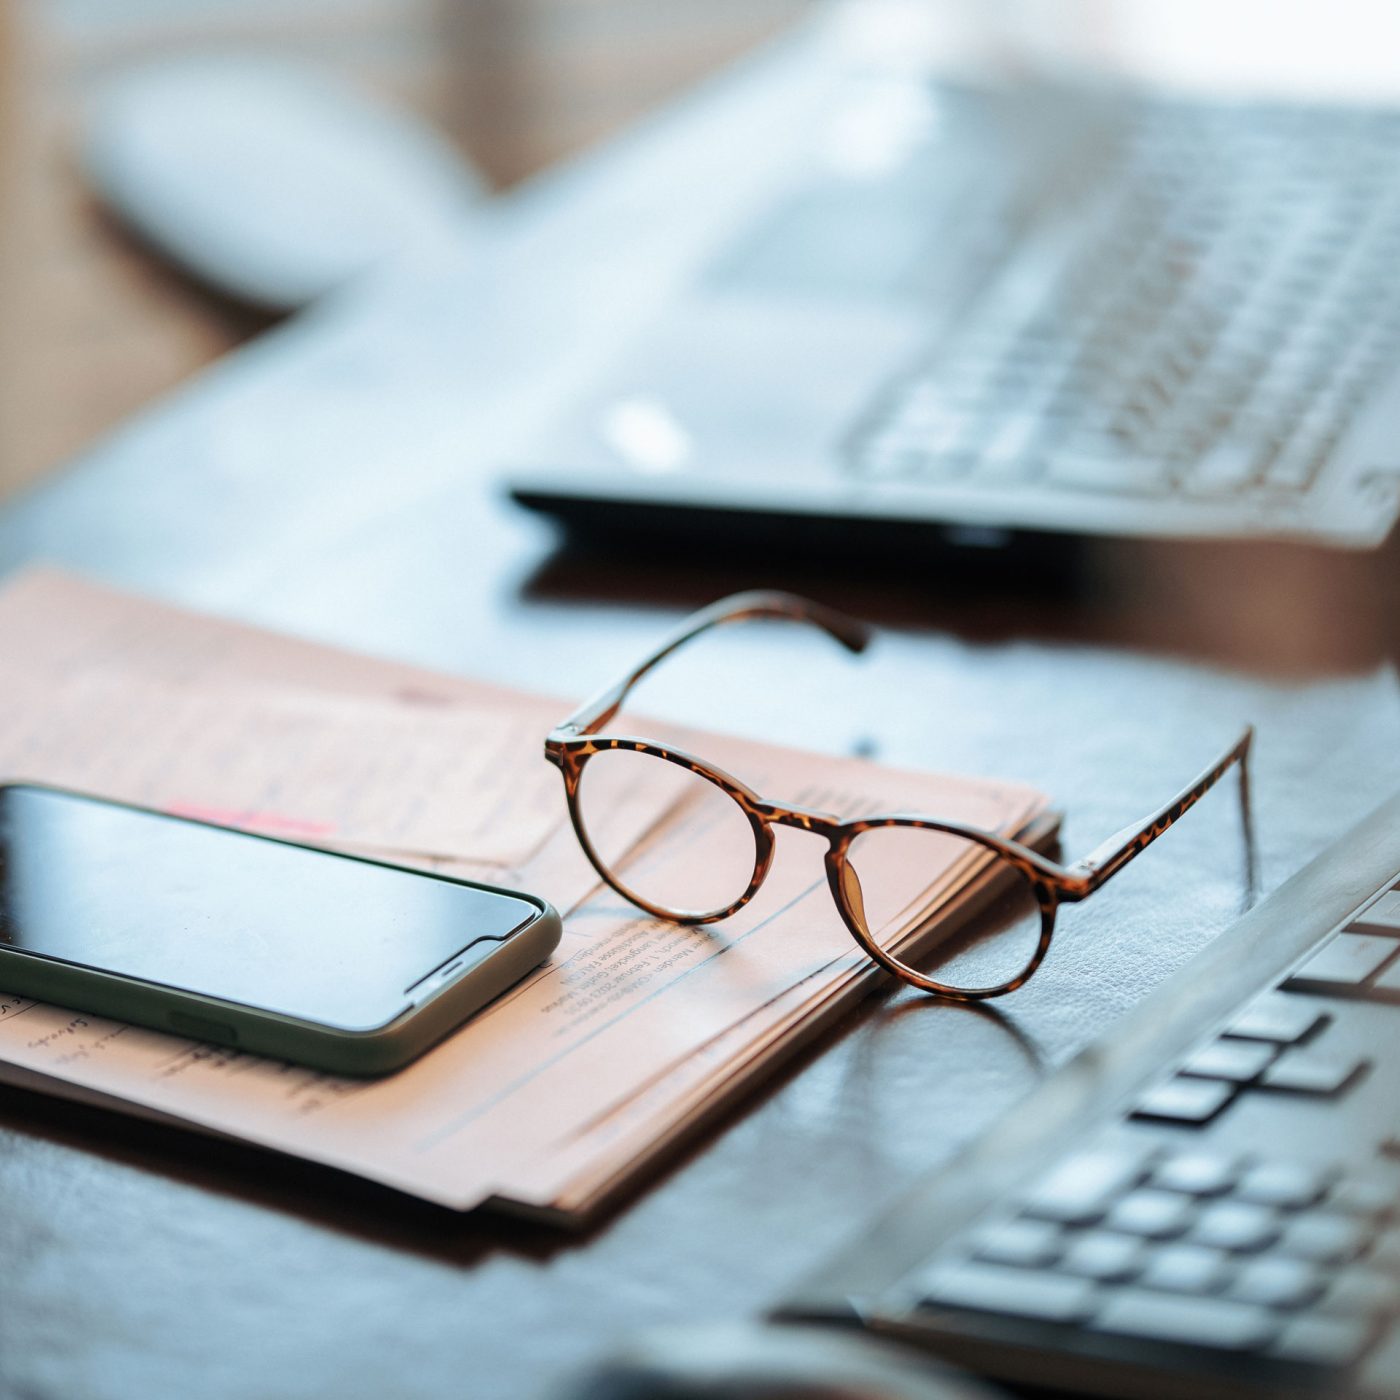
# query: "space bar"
{"points": [[1092, 472]]}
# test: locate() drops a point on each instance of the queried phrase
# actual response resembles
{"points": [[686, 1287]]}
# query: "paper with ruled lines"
{"points": [[561, 1089]]}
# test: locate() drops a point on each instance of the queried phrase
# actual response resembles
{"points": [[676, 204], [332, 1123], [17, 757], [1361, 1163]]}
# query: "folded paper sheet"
{"points": [[556, 1095]]}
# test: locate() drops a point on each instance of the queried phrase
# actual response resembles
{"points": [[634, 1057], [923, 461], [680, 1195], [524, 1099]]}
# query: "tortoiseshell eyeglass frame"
{"points": [[577, 739]]}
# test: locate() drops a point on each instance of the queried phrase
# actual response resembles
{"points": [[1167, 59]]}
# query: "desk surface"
{"points": [[333, 480]]}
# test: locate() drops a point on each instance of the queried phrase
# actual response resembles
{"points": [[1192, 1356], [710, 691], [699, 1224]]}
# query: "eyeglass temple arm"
{"points": [[739, 607], [1107, 859]]}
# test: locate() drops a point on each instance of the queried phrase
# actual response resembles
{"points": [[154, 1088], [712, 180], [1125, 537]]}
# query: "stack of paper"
{"points": [[564, 1088]]}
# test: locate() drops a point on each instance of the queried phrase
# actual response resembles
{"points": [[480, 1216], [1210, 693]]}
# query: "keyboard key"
{"points": [[1026, 1243], [1368, 1196], [1322, 1341], [1361, 1292], [1186, 1268], [1385, 1252], [1020, 1292], [1327, 1238], [1380, 1375], [1291, 1185], [1082, 1189], [1224, 470], [1275, 1281], [1284, 1020], [1111, 469], [1196, 1174], [1347, 961], [1382, 917], [1236, 1225], [1388, 983], [1293, 470], [1306, 1071], [1193, 1101], [1102, 1255], [1218, 1323], [1155, 1215], [1237, 1060]]}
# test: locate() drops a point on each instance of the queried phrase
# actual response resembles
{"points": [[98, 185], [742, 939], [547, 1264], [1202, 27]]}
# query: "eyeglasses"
{"points": [[699, 843]]}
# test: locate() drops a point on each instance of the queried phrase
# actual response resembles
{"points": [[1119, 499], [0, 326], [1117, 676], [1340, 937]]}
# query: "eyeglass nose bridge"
{"points": [[822, 824]]}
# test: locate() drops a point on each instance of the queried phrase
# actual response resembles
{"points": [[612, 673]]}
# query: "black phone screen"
{"points": [[322, 937]]}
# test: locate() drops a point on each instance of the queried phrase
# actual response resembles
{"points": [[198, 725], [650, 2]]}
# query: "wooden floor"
{"points": [[93, 327]]}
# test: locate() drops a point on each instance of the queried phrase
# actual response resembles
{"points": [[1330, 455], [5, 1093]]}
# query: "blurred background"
{"points": [[94, 326]]}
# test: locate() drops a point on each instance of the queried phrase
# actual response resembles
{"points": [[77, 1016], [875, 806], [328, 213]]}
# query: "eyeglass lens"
{"points": [[895, 876], [668, 836]]}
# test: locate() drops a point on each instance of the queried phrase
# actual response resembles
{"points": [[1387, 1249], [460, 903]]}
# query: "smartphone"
{"points": [[345, 964]]}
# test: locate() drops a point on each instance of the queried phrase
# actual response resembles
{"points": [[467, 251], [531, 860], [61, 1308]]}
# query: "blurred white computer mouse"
{"points": [[270, 180]]}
